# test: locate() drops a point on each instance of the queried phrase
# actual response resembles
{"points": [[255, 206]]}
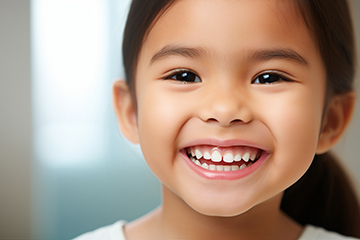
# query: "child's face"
{"points": [[202, 83]]}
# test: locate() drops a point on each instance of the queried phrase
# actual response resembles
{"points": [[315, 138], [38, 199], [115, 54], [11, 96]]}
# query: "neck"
{"points": [[265, 221], [177, 220]]}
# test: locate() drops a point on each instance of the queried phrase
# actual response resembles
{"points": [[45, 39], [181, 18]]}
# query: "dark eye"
{"points": [[184, 76], [268, 78]]}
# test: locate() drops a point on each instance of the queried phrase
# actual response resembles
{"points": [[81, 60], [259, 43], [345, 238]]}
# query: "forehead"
{"points": [[230, 27]]}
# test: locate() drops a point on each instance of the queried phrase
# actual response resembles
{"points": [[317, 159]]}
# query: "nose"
{"points": [[226, 106]]}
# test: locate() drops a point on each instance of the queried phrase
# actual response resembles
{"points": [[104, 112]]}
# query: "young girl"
{"points": [[230, 101]]}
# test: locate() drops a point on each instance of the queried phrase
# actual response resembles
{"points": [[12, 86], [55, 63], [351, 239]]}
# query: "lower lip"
{"points": [[225, 175]]}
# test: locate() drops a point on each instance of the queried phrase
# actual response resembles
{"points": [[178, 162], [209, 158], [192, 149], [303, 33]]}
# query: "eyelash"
{"points": [[266, 78], [183, 73]]}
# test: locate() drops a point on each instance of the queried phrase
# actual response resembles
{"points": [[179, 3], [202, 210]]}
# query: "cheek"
{"points": [[161, 117], [295, 124]]}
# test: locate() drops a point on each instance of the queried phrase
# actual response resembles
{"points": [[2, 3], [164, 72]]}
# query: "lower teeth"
{"points": [[214, 167]]}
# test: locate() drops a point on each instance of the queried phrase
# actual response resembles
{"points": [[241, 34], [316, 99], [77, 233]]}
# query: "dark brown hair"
{"points": [[324, 196], [141, 16]]}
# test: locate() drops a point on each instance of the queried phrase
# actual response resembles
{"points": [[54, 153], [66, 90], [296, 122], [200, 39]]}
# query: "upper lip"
{"points": [[225, 143]]}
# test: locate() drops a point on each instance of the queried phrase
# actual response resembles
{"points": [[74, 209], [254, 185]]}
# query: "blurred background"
{"points": [[64, 167]]}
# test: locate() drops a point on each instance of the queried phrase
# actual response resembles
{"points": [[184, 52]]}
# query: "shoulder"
{"points": [[316, 233], [112, 232]]}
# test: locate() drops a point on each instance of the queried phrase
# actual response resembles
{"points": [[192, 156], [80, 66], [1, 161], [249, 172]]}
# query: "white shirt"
{"points": [[116, 232]]}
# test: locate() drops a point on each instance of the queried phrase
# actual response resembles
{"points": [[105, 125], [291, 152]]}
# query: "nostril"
{"points": [[224, 123], [236, 120], [212, 120]]}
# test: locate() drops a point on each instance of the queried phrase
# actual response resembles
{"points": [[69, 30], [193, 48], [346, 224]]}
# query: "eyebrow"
{"points": [[256, 55], [278, 53], [173, 50]]}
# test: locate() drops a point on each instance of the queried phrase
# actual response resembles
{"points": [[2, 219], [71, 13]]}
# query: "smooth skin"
{"points": [[226, 48]]}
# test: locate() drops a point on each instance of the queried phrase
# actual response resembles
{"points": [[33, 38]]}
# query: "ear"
{"points": [[336, 119], [125, 111]]}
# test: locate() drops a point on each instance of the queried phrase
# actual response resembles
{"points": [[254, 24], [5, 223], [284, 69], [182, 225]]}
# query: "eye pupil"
{"points": [[267, 79], [186, 77]]}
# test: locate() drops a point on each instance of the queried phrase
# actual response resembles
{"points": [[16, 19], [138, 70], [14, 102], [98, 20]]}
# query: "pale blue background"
{"points": [[86, 175]]}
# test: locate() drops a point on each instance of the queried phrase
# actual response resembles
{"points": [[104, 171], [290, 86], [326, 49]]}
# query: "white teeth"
{"points": [[237, 158], [207, 155], [216, 156], [226, 168], [219, 167], [212, 167], [246, 157], [198, 154], [204, 165], [243, 166], [229, 158], [234, 167]]}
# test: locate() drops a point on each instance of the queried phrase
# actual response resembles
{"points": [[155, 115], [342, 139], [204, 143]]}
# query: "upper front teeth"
{"points": [[229, 157], [216, 156]]}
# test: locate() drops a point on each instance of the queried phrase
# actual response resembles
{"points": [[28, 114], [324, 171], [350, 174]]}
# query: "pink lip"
{"points": [[225, 143], [225, 175]]}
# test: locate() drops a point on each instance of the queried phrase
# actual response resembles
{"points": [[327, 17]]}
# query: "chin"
{"points": [[219, 210]]}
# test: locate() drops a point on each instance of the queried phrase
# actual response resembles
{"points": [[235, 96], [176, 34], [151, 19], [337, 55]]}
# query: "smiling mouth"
{"points": [[223, 159]]}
